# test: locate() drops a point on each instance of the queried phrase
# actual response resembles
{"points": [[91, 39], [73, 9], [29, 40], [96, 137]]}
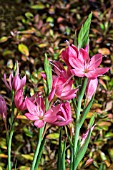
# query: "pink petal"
{"points": [[101, 71], [9, 86], [97, 72], [49, 118], [58, 91], [95, 61], [32, 108], [23, 81], [78, 72], [70, 52], [68, 95], [87, 48], [39, 123], [76, 63], [31, 116], [63, 123], [40, 102], [83, 56], [16, 82], [91, 88], [53, 111], [51, 95]]}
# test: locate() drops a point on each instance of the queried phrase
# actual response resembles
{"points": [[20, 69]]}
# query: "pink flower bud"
{"points": [[19, 100], [9, 82], [91, 88], [18, 83], [64, 115], [3, 107]]}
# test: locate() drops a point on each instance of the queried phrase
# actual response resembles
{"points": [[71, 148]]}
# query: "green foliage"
{"points": [[23, 49], [83, 36], [48, 72]]}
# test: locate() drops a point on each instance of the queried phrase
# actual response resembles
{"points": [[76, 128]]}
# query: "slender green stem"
{"points": [[71, 162], [40, 153], [77, 126], [59, 151], [10, 134], [9, 148], [37, 149]]}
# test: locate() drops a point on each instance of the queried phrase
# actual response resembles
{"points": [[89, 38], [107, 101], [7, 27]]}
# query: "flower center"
{"points": [[86, 70]]}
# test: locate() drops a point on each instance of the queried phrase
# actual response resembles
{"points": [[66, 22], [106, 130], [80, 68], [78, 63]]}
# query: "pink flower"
{"points": [[62, 83], [14, 81], [64, 115], [37, 112], [18, 83], [19, 100], [62, 87], [91, 88], [3, 107], [82, 64], [9, 83]]}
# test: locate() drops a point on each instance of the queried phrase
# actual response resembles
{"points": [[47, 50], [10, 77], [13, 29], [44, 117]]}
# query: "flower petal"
{"points": [[39, 123], [83, 56], [78, 72], [32, 108], [95, 61], [31, 116]]}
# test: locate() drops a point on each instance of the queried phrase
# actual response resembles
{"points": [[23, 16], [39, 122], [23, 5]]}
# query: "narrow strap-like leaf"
{"points": [[48, 72], [63, 156], [84, 147], [83, 36], [85, 112]]}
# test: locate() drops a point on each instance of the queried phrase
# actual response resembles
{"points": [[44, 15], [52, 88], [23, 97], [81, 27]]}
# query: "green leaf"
{"points": [[63, 155], [53, 136], [23, 49], [3, 39], [85, 112], [83, 36], [82, 150], [29, 15], [38, 6], [48, 72], [101, 166], [84, 147], [27, 156]]}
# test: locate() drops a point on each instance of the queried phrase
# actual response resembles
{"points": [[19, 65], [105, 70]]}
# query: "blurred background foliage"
{"points": [[30, 28]]}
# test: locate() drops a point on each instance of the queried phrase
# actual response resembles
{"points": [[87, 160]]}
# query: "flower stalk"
{"points": [[37, 148], [77, 126]]}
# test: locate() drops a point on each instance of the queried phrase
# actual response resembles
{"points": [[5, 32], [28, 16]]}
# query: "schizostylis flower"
{"points": [[64, 115], [62, 83], [81, 63], [36, 112], [19, 100], [3, 107]]}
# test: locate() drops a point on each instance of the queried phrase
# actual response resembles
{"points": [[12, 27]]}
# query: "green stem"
{"points": [[40, 154], [37, 149], [11, 131], [59, 151], [71, 162], [9, 148], [77, 126]]}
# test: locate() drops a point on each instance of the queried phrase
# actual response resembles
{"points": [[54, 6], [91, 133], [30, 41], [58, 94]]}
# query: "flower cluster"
{"points": [[79, 64]]}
